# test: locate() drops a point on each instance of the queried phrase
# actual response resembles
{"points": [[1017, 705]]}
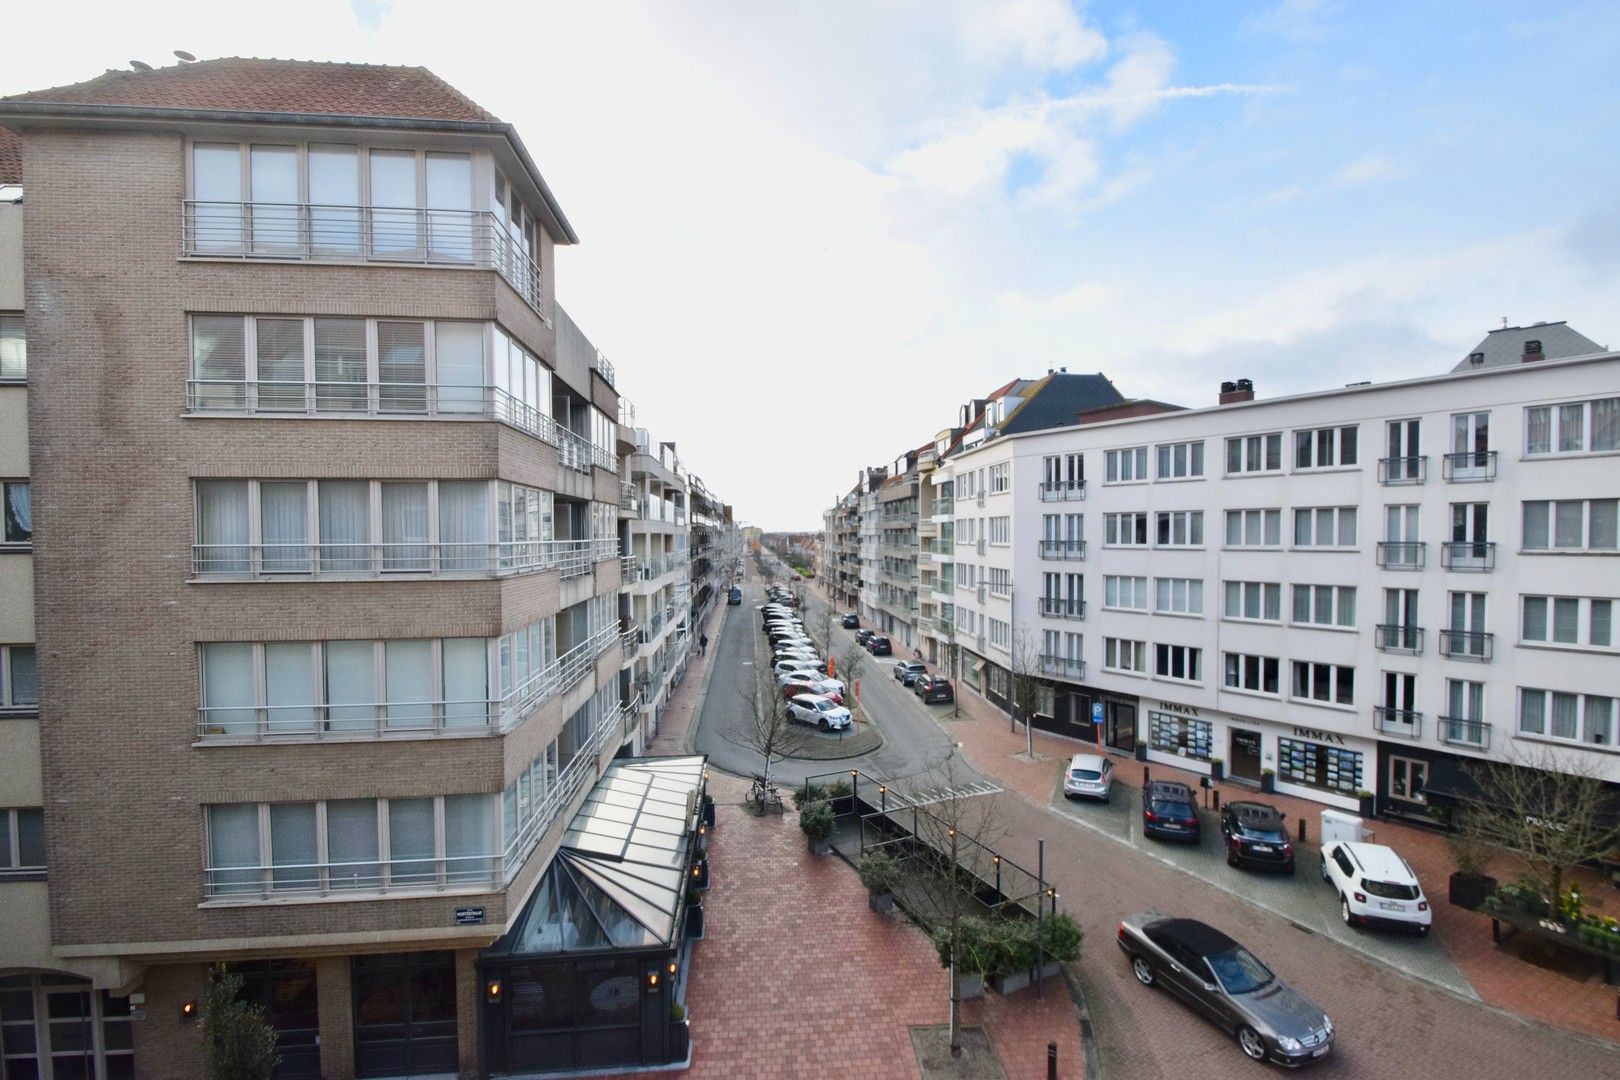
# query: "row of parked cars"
{"points": [[812, 696]]}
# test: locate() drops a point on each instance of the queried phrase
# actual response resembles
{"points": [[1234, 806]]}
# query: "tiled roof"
{"points": [[10, 157], [250, 84], [1505, 347], [1054, 400]]}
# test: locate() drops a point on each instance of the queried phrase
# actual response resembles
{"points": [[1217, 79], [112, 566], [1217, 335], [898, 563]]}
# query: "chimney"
{"points": [[1233, 392], [1532, 351]]}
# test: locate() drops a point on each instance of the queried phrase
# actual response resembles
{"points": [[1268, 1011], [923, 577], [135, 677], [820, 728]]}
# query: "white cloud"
{"points": [[1366, 170], [1046, 34]]}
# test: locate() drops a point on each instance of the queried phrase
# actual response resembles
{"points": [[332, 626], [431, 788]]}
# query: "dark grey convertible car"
{"points": [[1225, 982]]}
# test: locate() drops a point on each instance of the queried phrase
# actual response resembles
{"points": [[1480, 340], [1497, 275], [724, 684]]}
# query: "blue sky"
{"points": [[811, 231]]}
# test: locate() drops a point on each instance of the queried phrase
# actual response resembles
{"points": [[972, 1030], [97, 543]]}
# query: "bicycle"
{"points": [[764, 796]]}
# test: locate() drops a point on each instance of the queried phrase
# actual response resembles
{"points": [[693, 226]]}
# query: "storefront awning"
{"points": [[618, 880]]}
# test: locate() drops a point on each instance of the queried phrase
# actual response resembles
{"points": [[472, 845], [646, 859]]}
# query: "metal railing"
{"points": [[603, 367], [1403, 470], [339, 878], [559, 794], [1402, 722], [1059, 608], [273, 561], [1073, 550], [1063, 490], [1467, 644], [1458, 731], [371, 234], [1395, 637], [1473, 556], [558, 676], [350, 720], [1065, 667], [1402, 554], [627, 567], [944, 506], [1469, 466]]}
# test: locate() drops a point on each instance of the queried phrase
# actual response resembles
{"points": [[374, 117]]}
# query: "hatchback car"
{"points": [[1375, 886], [821, 711], [1169, 811], [933, 688], [852, 621], [1256, 836], [1229, 985], [1089, 776], [909, 671], [879, 646]]}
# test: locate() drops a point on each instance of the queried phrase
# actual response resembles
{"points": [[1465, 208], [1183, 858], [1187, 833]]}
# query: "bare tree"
{"points": [[848, 665], [766, 727], [1026, 683], [1549, 810]]}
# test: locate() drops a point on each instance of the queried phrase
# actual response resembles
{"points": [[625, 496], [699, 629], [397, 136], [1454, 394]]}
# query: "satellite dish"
{"points": [[185, 56], [140, 65]]}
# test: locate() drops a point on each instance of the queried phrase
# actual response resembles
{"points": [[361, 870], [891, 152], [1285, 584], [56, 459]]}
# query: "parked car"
{"points": [[852, 621], [821, 711], [864, 635], [799, 665], [878, 645], [795, 683], [1089, 776], [1375, 886], [934, 688], [1256, 836], [1169, 810], [1229, 985], [734, 598], [908, 671]]}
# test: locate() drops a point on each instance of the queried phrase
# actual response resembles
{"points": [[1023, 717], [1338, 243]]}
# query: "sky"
{"points": [[810, 232]]}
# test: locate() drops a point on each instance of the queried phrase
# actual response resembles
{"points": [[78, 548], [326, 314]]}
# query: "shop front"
{"points": [[1069, 710]]}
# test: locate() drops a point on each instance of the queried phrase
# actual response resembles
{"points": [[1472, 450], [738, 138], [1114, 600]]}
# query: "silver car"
{"points": [[1224, 981]]}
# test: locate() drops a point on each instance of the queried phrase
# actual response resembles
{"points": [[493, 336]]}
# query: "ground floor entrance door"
{"points": [[1119, 725], [1404, 785], [1245, 756], [405, 1014]]}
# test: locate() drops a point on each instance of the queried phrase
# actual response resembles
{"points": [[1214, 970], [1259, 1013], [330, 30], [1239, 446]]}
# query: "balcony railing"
{"points": [[627, 567], [1456, 731], [1396, 638], [559, 795], [368, 560], [944, 506], [603, 367], [1402, 554], [1059, 608], [1469, 466], [1475, 556], [1403, 722], [1467, 644], [1063, 490], [1063, 667], [342, 878], [558, 676], [1403, 470], [397, 236], [1072, 550], [379, 719]]}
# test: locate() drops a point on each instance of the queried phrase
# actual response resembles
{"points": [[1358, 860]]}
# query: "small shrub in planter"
{"points": [[816, 819], [880, 873], [1217, 769], [808, 793], [977, 952], [1060, 937], [1268, 781]]}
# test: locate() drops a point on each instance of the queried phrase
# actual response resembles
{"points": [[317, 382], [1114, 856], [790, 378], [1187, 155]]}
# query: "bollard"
{"points": [[1302, 828], [1051, 1059], [1144, 776], [1217, 800]]}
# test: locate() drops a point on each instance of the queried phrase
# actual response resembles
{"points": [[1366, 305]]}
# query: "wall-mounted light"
{"points": [[697, 871], [652, 980], [188, 1010], [492, 991], [673, 968]]}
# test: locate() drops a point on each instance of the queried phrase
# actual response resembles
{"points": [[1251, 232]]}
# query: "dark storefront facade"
{"points": [[1068, 709]]}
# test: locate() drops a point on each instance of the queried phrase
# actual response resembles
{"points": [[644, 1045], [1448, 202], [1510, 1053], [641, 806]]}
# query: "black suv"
{"points": [[1256, 836], [852, 621], [1170, 811], [933, 688], [879, 646]]}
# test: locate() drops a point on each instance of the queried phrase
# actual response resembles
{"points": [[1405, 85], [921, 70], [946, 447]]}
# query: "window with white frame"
{"points": [[22, 841], [1000, 580], [1128, 465], [1178, 596], [967, 575], [1000, 478], [1325, 605], [1254, 674], [1568, 620], [13, 349], [1125, 593], [1179, 662], [1125, 530], [1570, 525], [1254, 453], [19, 513], [1259, 601], [1121, 654], [19, 679], [1325, 448], [966, 485], [1180, 461], [1001, 530], [1000, 634], [1571, 717], [1572, 428], [1253, 528], [1332, 684], [1325, 526], [1179, 528]]}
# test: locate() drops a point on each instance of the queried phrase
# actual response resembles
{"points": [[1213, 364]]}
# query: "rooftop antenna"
{"points": [[140, 65], [184, 57], [1504, 322]]}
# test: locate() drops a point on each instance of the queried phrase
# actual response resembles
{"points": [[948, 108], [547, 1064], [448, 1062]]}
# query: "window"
{"points": [[1001, 530], [1555, 714], [1570, 525], [1179, 528], [1125, 530], [1181, 662], [1325, 605], [1180, 461], [1254, 453], [1125, 593], [1178, 596], [22, 842], [1126, 466], [1000, 580], [1324, 448], [1253, 528], [1120, 654], [13, 349], [1568, 620], [1325, 526], [1576, 427], [1256, 600], [19, 512], [1257, 674], [19, 679], [1184, 736], [1330, 683], [999, 481], [1000, 634], [1330, 768]]}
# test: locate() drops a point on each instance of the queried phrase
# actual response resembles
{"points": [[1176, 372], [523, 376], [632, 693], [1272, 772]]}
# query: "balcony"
{"points": [[1056, 607], [604, 367], [1467, 645], [1403, 722], [1471, 466], [1070, 550], [352, 561], [1063, 667], [1398, 638], [301, 232], [1457, 731], [1470, 556], [1063, 491], [1394, 471], [1402, 554]]}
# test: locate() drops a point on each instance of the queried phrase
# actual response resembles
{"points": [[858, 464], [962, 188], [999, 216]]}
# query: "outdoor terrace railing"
{"points": [[1063, 667], [1060, 608], [1476, 556], [1393, 471], [1063, 490], [1403, 722], [1469, 466], [559, 795], [1398, 638], [371, 560], [1458, 731], [350, 720], [1402, 554], [557, 677], [1467, 644], [1071, 550], [372, 876]]}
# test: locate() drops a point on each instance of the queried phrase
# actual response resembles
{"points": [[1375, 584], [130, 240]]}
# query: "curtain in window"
{"points": [[19, 513], [290, 689], [228, 688], [1568, 517], [459, 361], [1538, 430], [334, 196], [466, 682], [408, 671], [450, 222], [393, 185], [22, 681], [1606, 424], [1599, 720], [1566, 620], [402, 367], [340, 365], [293, 850], [345, 527], [1602, 533], [1602, 618], [351, 685], [1535, 618], [351, 844], [1533, 712], [273, 172], [219, 361], [233, 842], [216, 188], [464, 525], [284, 527], [1572, 426], [1536, 525], [410, 841], [405, 527], [1347, 527], [13, 348], [469, 837], [1566, 710], [222, 527]]}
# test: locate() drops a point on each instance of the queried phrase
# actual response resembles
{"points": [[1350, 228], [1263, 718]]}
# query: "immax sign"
{"points": [[1317, 735]]}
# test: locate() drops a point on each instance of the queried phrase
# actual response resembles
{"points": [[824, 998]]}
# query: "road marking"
{"points": [[928, 796]]}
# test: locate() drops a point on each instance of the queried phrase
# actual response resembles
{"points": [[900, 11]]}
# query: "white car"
{"points": [[1375, 886], [1089, 776], [811, 666], [795, 683], [820, 711]]}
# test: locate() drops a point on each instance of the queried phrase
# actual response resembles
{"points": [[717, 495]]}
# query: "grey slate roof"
{"points": [[1053, 401], [1505, 347]]}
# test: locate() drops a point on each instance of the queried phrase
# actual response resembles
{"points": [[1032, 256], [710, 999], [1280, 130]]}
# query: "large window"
{"points": [[1325, 526], [58, 1026], [1568, 620], [1180, 461], [1001, 530], [1325, 448], [1570, 525], [1184, 736], [1125, 530], [1572, 428], [1325, 605], [1179, 528], [1330, 768], [1129, 657], [1256, 600], [1571, 717], [1180, 662], [1256, 674], [1178, 596], [1253, 528], [19, 512], [1254, 453], [1331, 684], [13, 349], [22, 842], [999, 478], [19, 679], [1126, 466], [1125, 593]]}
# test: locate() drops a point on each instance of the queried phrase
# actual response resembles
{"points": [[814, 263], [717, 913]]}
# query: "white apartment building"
{"points": [[1349, 590]]}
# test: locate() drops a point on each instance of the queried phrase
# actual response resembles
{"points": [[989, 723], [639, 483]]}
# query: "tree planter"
{"points": [[1470, 890], [1013, 982], [1268, 783], [1368, 806], [1217, 771], [882, 903], [1141, 751], [700, 877], [694, 923], [708, 810], [820, 847]]}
